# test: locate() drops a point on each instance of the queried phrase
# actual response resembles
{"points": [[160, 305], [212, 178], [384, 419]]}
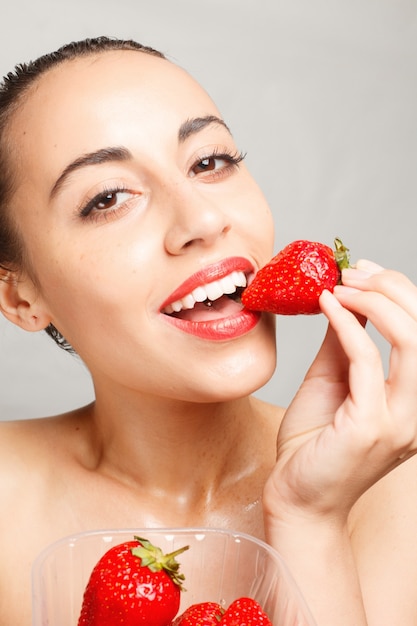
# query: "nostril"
{"points": [[201, 228]]}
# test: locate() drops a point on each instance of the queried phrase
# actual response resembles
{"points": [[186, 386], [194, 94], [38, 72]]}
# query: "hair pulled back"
{"points": [[14, 88]]}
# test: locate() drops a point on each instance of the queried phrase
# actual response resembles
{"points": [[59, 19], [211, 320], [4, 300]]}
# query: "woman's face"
{"points": [[131, 201]]}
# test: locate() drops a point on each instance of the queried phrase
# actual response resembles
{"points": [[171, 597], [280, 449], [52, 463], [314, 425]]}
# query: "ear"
{"points": [[21, 303]]}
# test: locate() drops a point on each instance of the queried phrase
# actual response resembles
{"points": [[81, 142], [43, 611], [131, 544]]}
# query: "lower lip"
{"points": [[219, 329]]}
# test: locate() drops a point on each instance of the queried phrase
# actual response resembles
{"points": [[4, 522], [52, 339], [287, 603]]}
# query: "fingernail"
{"points": [[341, 290], [327, 296], [362, 270], [368, 266], [355, 274]]}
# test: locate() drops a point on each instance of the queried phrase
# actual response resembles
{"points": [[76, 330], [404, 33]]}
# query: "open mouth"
{"points": [[218, 298]]}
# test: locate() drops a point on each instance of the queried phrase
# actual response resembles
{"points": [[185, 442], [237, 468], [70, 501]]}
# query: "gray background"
{"points": [[323, 97]]}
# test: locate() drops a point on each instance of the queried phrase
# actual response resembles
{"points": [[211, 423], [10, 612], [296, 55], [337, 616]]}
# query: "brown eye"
{"points": [[107, 201], [216, 164], [205, 165]]}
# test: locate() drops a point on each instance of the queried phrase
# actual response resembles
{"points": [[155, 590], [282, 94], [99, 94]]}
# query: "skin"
{"points": [[337, 500], [164, 398]]}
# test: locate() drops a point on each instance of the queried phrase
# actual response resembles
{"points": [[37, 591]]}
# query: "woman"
{"points": [[129, 226]]}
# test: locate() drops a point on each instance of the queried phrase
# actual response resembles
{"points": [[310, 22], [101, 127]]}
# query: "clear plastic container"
{"points": [[219, 566]]}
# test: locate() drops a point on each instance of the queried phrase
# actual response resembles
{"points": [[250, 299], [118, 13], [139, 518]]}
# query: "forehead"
{"points": [[112, 97], [114, 77]]}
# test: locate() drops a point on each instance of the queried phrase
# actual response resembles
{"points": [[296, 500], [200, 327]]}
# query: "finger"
{"points": [[369, 276], [400, 330], [366, 373], [389, 318], [331, 358]]}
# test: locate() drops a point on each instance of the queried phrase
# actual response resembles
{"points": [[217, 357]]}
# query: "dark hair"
{"points": [[14, 88]]}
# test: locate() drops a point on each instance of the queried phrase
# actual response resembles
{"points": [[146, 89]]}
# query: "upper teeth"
{"points": [[210, 291]]}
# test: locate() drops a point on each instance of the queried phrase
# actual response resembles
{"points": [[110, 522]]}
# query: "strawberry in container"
{"points": [[133, 583]]}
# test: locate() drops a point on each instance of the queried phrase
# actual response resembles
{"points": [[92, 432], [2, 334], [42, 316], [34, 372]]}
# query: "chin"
{"points": [[244, 385], [239, 376], [249, 368]]}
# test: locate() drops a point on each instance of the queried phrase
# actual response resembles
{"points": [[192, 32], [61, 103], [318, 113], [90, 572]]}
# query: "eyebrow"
{"points": [[197, 124], [105, 155], [188, 128]]}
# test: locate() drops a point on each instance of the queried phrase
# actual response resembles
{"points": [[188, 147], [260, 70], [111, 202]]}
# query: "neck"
{"points": [[159, 445]]}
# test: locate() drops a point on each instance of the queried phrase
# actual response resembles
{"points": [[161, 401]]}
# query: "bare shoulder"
{"points": [[34, 457], [28, 447], [383, 534], [20, 440]]}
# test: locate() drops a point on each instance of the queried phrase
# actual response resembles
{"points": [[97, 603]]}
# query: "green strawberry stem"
{"points": [[341, 254], [153, 558]]}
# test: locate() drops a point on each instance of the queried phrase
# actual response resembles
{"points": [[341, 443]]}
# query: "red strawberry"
{"points": [[201, 614], [293, 280], [133, 583], [245, 612]]}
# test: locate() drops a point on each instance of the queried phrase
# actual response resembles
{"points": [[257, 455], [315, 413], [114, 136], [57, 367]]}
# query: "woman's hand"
{"points": [[349, 423]]}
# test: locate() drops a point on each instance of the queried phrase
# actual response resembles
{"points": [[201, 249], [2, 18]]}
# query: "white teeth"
{"points": [[239, 279], [199, 294], [214, 290], [176, 306], [227, 284], [188, 302], [210, 291]]}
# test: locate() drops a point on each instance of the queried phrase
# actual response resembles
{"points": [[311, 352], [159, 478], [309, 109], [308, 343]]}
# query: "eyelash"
{"points": [[232, 159], [87, 211]]}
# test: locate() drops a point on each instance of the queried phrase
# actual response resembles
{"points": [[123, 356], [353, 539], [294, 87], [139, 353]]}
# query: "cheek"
{"points": [[269, 230], [84, 287], [255, 216]]}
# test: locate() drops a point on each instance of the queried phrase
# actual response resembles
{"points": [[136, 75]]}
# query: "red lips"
{"points": [[226, 318]]}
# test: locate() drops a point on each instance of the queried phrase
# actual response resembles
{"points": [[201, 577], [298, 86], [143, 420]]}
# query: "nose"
{"points": [[197, 219]]}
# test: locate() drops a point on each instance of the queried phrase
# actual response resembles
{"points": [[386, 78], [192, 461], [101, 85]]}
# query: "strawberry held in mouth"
{"points": [[209, 293], [208, 303], [292, 282]]}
